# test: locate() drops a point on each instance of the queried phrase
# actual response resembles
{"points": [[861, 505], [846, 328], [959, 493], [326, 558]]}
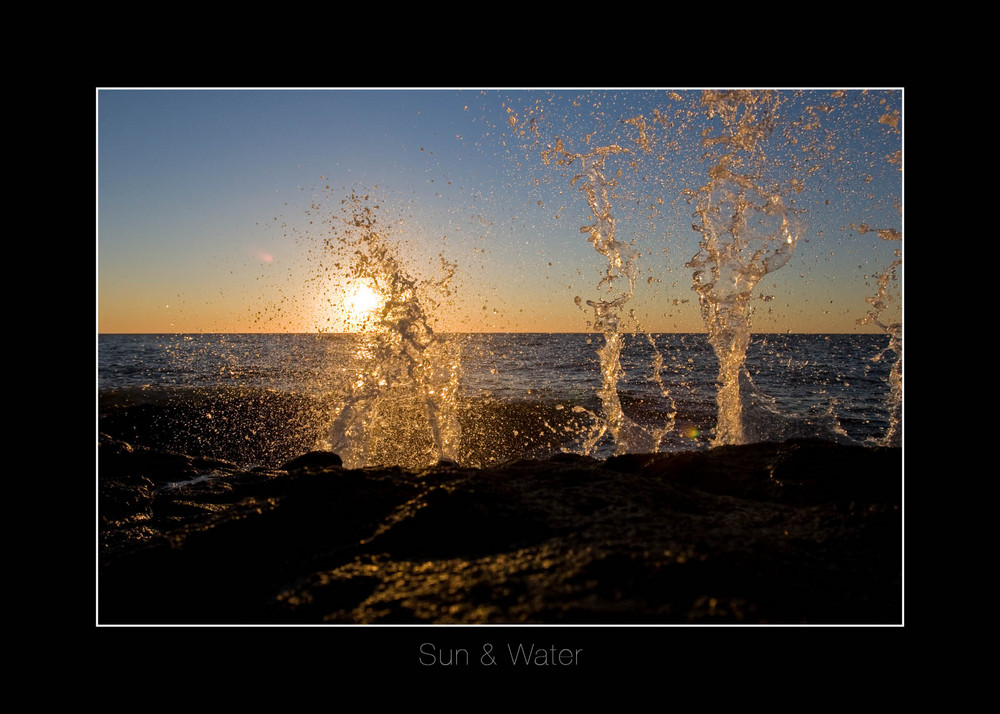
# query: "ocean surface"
{"points": [[257, 399]]}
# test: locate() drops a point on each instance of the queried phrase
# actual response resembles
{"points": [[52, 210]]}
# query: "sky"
{"points": [[223, 210]]}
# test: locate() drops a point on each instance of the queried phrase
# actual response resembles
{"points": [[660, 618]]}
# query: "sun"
{"points": [[362, 301]]}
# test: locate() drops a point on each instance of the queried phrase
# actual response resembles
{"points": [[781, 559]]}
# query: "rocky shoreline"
{"points": [[801, 532]]}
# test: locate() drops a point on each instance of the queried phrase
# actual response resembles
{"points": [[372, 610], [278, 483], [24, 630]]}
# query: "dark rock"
{"points": [[128, 498], [117, 459], [313, 460], [799, 532]]}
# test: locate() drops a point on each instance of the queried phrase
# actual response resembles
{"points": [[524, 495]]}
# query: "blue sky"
{"points": [[213, 205]]}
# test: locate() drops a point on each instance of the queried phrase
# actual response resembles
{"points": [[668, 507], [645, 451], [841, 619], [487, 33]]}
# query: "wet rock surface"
{"points": [[799, 532]]}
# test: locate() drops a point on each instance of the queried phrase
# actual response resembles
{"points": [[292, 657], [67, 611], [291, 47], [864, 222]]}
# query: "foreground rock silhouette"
{"points": [[804, 531]]}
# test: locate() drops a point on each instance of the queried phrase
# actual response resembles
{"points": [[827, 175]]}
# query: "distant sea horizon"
{"points": [[496, 332]]}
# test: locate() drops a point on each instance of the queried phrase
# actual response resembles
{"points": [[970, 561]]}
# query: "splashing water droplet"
{"points": [[621, 258], [745, 234], [401, 409]]}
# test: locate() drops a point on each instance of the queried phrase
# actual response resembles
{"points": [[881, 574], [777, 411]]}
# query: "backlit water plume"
{"points": [[878, 303], [621, 260], [745, 234], [402, 405]]}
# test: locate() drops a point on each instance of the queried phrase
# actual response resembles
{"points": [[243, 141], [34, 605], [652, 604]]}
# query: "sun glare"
{"points": [[362, 302]]}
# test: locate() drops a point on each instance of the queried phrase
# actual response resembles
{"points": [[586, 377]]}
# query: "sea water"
{"points": [[520, 395]]}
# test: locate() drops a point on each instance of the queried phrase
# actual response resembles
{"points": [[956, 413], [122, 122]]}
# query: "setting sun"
{"points": [[362, 302]]}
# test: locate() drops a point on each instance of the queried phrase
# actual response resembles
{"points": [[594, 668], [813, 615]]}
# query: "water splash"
{"points": [[745, 232], [754, 165], [747, 192], [621, 258], [401, 409], [878, 303]]}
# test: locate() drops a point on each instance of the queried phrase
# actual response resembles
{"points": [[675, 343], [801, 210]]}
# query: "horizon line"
{"points": [[494, 332]]}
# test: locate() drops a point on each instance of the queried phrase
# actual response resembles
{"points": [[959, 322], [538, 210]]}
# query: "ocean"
{"points": [[260, 399]]}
